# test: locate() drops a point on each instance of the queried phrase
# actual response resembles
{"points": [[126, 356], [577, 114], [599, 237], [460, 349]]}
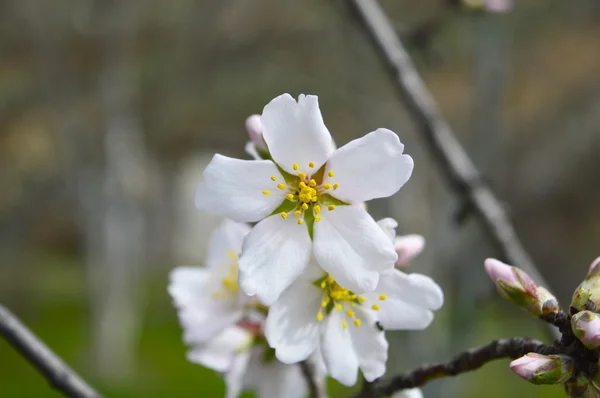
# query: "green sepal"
{"points": [[290, 179], [327, 200], [286, 206], [264, 153], [309, 219]]}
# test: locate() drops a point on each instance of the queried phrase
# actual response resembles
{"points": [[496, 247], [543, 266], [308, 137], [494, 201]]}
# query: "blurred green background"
{"points": [[109, 110]]}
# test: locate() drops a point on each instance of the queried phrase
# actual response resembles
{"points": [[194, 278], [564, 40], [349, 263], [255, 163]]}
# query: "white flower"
{"points": [[224, 327], [300, 198], [348, 326], [410, 393], [407, 246]]}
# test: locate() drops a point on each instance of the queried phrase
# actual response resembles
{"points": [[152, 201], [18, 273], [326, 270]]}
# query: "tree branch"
{"points": [[454, 162], [465, 362], [58, 374], [316, 386]]}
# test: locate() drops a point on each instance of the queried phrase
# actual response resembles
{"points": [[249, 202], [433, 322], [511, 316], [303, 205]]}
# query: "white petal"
{"points": [[234, 188], [370, 344], [412, 288], [188, 285], [226, 241], [388, 225], [219, 352], [410, 393], [204, 321], [369, 167], [352, 248], [396, 314], [281, 381], [337, 350], [250, 149], [295, 133], [275, 253], [234, 378], [292, 327]]}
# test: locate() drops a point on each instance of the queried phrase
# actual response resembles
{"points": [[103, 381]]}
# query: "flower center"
{"points": [[340, 298]]}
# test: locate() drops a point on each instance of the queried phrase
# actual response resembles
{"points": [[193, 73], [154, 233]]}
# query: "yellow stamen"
{"points": [[314, 199], [280, 186], [382, 297], [335, 186], [331, 173], [297, 213], [318, 218], [302, 184], [295, 166], [361, 299], [283, 215], [273, 178], [330, 207], [302, 175], [300, 221], [319, 316], [353, 297], [357, 322], [290, 196], [326, 186], [304, 206], [266, 193], [312, 183], [311, 164], [317, 209], [375, 307], [344, 324], [323, 285], [338, 307], [350, 313]]}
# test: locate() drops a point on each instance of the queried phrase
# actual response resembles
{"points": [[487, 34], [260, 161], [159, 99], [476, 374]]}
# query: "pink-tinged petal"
{"points": [[254, 128], [226, 243], [240, 189], [295, 133], [369, 343], [499, 271], [350, 246], [586, 326], [408, 247], [369, 167], [337, 349], [275, 253], [292, 328]]}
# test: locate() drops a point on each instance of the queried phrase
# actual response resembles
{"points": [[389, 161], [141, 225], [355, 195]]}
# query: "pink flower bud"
{"points": [[408, 247], [499, 271], [594, 267], [254, 127], [586, 326], [543, 369], [587, 294], [498, 5]]}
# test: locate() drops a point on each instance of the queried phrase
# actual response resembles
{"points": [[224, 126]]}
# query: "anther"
{"points": [[318, 218], [335, 186], [323, 285], [317, 209], [357, 322], [304, 206], [311, 164], [300, 221], [283, 215], [375, 307], [290, 196], [330, 207], [344, 324], [331, 173], [302, 184], [280, 186], [295, 166], [350, 313], [266, 193], [326, 186], [382, 297], [273, 178], [319, 316], [338, 307], [361, 299], [297, 213], [312, 183], [302, 175]]}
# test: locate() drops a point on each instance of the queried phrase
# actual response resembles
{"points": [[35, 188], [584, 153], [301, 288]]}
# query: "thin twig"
{"points": [[462, 363], [316, 386], [58, 374], [454, 162]]}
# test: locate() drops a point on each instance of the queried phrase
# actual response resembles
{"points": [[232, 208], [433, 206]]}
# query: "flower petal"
{"points": [[281, 380], [219, 352], [408, 247], [292, 328], [369, 167], [350, 246], [370, 344], [202, 322], [295, 133], [275, 253], [235, 188], [188, 285], [337, 350], [226, 242], [412, 288], [388, 225], [250, 149], [410, 393], [396, 314], [234, 378]]}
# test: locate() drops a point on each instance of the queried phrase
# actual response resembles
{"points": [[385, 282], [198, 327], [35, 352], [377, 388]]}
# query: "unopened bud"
{"points": [[254, 127], [543, 369], [587, 295], [586, 326], [408, 247], [515, 285]]}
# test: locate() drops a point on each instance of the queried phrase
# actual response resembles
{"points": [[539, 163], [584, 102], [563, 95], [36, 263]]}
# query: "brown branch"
{"points": [[58, 374], [316, 386], [465, 362], [454, 162]]}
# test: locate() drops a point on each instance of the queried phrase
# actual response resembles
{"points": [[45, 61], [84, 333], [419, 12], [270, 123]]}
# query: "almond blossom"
{"points": [[224, 328], [300, 198], [347, 325]]}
